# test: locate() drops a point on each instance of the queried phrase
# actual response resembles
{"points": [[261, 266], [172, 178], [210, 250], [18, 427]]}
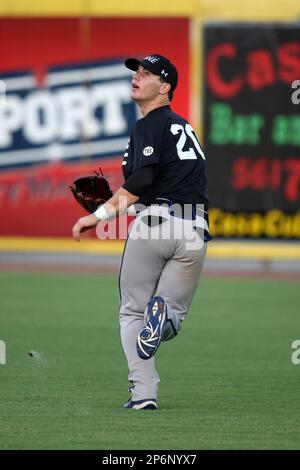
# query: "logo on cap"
{"points": [[152, 59]]}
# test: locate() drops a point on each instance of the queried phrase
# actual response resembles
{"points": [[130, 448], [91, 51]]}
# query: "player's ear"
{"points": [[165, 88]]}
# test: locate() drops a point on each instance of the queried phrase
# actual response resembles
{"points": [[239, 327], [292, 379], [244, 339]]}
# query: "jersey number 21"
{"points": [[185, 133]]}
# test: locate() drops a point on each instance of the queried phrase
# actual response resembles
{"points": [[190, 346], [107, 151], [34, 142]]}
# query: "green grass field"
{"points": [[227, 381]]}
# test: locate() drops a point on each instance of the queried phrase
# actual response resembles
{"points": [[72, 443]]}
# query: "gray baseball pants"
{"points": [[165, 259]]}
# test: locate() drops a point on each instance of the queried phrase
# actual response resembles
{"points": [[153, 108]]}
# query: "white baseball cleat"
{"points": [[150, 336], [149, 404]]}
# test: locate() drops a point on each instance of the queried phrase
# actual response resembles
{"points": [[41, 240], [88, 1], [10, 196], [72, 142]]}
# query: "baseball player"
{"points": [[164, 172]]}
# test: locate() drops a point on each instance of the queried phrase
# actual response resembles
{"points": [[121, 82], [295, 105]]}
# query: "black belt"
{"points": [[177, 209], [180, 209]]}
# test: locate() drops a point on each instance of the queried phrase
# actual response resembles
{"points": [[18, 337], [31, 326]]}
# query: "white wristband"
{"points": [[101, 213], [131, 210]]}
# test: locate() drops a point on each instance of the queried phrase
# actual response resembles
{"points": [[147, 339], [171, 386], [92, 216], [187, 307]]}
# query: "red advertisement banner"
{"points": [[37, 201], [66, 100]]}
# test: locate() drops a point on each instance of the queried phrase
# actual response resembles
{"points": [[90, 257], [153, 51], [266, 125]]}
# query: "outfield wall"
{"points": [[70, 110]]}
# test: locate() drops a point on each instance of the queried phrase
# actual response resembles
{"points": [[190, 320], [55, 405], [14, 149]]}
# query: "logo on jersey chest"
{"points": [[148, 151]]}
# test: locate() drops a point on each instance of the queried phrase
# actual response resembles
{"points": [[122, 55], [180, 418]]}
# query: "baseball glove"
{"points": [[91, 191]]}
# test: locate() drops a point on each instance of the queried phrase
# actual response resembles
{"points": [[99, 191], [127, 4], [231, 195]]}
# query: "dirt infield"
{"points": [[109, 265]]}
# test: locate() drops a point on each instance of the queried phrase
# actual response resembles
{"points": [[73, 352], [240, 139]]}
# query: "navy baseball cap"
{"points": [[158, 65]]}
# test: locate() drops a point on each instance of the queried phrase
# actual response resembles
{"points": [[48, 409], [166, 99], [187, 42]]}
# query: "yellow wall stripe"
{"points": [[254, 250], [36, 244], [268, 10], [217, 249], [98, 8]]}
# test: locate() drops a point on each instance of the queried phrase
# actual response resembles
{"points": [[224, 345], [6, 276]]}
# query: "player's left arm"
{"points": [[126, 196], [116, 205]]}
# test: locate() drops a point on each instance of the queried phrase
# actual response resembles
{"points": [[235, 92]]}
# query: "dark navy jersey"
{"points": [[167, 141]]}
